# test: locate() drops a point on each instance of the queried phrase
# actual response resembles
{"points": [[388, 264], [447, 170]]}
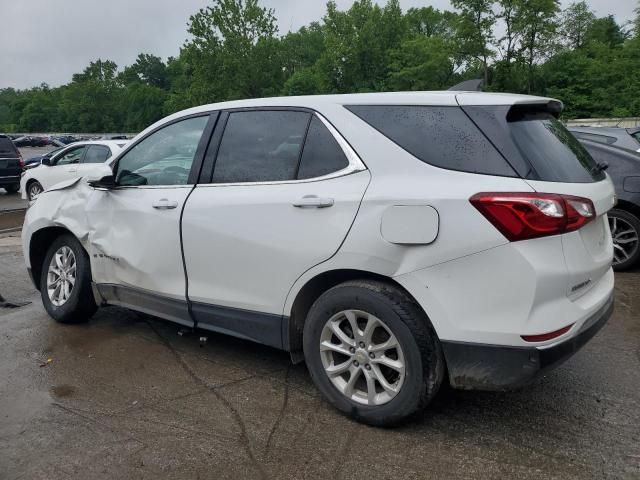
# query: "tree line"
{"points": [[234, 51]]}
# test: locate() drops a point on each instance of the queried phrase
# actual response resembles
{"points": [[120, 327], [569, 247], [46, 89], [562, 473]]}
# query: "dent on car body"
{"points": [[72, 205]]}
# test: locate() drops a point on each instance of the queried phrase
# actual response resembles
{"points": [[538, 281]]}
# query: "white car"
{"points": [[75, 160], [391, 240]]}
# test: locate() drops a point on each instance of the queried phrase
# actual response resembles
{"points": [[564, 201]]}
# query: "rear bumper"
{"points": [[9, 179], [497, 367]]}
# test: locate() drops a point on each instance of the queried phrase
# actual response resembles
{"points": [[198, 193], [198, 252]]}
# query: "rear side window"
{"points": [[260, 146], [97, 154], [7, 148], [552, 151], [321, 154], [440, 136]]}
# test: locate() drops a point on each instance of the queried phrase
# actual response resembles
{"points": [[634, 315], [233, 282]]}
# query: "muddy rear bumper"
{"points": [[497, 367]]}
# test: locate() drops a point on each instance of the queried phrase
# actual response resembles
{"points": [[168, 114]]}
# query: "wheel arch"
{"points": [[38, 246], [627, 206], [311, 291]]}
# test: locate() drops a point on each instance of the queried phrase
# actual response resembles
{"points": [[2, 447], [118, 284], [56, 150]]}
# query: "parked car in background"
{"points": [[37, 160], [29, 141], [75, 160], [628, 138], [392, 240], [11, 165], [624, 219]]}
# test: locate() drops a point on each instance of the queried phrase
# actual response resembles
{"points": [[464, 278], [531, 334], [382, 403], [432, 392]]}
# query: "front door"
{"points": [[136, 250], [281, 199]]}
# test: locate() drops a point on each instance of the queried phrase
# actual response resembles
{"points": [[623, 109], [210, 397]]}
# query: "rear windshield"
{"points": [[441, 136], [551, 150], [7, 147]]}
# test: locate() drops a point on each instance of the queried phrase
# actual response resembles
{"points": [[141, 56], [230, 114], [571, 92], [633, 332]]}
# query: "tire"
{"points": [[34, 189], [401, 317], [79, 305], [625, 227], [12, 188]]}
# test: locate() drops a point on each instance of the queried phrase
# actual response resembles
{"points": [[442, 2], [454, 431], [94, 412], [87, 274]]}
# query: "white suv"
{"points": [[390, 240]]}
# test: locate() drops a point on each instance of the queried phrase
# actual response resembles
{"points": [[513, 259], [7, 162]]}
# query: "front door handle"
{"points": [[313, 201], [164, 204]]}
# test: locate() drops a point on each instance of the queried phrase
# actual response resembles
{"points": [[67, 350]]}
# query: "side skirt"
{"points": [[258, 327]]}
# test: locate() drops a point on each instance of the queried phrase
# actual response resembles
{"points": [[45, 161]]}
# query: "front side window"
{"points": [[97, 154], [164, 157], [72, 156], [260, 146]]}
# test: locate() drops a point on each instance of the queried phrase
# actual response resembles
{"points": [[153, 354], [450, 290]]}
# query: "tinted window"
{"points": [[164, 157], [97, 154], [440, 136], [321, 154], [551, 150], [260, 146], [7, 147], [71, 156]]}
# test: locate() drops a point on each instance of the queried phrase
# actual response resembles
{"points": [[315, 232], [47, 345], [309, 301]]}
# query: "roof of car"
{"points": [[597, 130], [435, 98]]}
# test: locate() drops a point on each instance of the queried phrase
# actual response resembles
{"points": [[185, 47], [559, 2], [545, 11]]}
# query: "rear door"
{"points": [[557, 163], [278, 198]]}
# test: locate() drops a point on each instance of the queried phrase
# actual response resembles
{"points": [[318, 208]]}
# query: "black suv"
{"points": [[11, 165], [624, 219]]}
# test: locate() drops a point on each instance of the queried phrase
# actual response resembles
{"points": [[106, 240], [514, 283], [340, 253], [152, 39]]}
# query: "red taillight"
{"points": [[519, 216], [543, 337], [20, 160]]}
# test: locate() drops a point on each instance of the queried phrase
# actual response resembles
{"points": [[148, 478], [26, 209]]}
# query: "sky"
{"points": [[48, 41]]}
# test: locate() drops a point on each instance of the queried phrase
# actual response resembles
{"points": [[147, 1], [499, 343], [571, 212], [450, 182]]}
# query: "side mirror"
{"points": [[104, 183], [46, 161]]}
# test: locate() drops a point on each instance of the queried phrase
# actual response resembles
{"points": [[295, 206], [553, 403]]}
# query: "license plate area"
{"points": [[4, 163]]}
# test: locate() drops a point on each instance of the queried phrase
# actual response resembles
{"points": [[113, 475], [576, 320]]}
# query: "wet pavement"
{"points": [[125, 396]]}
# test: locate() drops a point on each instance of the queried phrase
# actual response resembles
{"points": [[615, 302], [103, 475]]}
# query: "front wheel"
{"points": [[372, 352], [34, 189], [625, 231], [65, 282]]}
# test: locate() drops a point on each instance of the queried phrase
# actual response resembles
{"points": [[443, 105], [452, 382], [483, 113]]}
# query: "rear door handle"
{"points": [[164, 204], [313, 201]]}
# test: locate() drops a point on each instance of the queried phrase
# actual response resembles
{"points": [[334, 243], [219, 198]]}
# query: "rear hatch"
{"points": [[551, 160], [10, 164]]}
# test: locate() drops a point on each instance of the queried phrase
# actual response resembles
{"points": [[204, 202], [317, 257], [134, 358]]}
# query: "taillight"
{"points": [[20, 160], [519, 216]]}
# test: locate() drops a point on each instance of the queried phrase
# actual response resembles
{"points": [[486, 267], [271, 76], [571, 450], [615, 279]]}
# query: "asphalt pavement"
{"points": [[127, 396]]}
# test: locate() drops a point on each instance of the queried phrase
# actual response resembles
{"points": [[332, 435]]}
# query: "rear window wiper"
{"points": [[599, 167]]}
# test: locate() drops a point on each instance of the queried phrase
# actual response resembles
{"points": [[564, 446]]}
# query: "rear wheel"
{"points": [[65, 282], [34, 189], [372, 352], [12, 188], [625, 231]]}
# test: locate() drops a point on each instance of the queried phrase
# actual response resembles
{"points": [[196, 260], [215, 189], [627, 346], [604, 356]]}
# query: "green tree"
{"points": [[474, 31], [577, 19]]}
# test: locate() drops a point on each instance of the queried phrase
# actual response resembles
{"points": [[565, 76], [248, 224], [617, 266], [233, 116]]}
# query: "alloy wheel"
{"points": [[625, 239], [362, 357], [61, 276], [35, 189]]}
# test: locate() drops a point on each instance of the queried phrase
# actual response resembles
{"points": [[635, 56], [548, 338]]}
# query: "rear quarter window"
{"points": [[440, 136]]}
